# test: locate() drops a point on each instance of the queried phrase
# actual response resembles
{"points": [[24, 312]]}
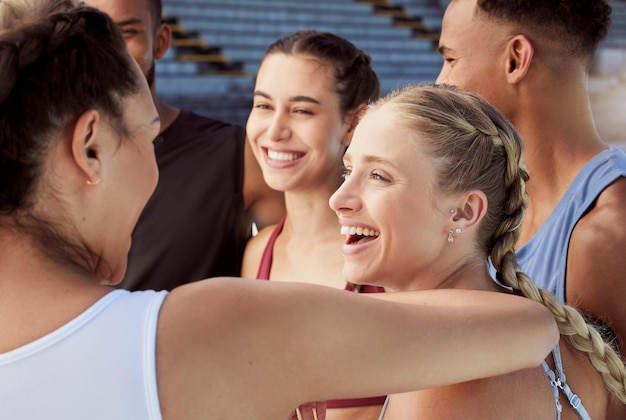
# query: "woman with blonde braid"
{"points": [[435, 187]]}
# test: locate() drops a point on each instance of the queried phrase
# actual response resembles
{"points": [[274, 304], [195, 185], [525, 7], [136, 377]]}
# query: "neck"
{"points": [[559, 135], [166, 112], [23, 265], [309, 214], [457, 271], [33, 284]]}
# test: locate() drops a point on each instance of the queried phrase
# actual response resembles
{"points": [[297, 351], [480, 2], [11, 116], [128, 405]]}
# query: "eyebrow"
{"points": [[130, 21], [298, 98], [370, 159], [443, 49]]}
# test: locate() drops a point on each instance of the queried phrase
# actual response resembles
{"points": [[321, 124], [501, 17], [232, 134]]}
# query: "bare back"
{"points": [[525, 394]]}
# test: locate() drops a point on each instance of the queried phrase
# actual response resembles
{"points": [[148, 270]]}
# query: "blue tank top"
{"points": [[544, 257]]}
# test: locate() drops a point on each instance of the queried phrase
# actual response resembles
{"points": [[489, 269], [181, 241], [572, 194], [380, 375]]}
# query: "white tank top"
{"points": [[100, 365]]}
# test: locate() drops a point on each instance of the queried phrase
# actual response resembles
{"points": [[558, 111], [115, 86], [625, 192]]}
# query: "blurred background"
{"points": [[218, 45]]}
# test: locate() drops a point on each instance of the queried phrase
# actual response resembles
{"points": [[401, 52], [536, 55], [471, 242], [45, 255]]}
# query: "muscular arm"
{"points": [[596, 262], [265, 205], [249, 349]]}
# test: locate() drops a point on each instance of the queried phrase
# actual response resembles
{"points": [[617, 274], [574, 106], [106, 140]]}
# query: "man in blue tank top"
{"points": [[210, 188], [530, 59]]}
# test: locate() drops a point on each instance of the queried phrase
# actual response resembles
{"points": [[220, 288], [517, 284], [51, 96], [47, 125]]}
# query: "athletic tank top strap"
{"points": [[382, 412], [558, 382], [265, 266]]}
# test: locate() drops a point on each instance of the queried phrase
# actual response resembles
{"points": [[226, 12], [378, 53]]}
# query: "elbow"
{"points": [[547, 338]]}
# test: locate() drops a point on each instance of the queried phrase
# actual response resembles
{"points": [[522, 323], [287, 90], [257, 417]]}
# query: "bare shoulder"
{"points": [[596, 260], [190, 318], [488, 398], [209, 344], [585, 381], [254, 252], [609, 207], [597, 248]]}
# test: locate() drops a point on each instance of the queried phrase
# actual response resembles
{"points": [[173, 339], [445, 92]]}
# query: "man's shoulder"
{"points": [[597, 248], [605, 220]]}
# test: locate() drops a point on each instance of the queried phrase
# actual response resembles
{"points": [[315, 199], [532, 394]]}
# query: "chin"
{"points": [[354, 278]]}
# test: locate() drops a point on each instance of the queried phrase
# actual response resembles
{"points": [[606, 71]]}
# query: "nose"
{"points": [[345, 199], [441, 79], [278, 128]]}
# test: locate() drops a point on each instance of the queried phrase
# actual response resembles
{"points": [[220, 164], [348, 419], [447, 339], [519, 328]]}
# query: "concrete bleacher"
{"points": [[430, 11], [241, 30], [607, 80]]}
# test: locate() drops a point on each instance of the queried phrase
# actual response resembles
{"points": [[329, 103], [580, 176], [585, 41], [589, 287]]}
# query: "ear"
{"points": [[162, 40], [353, 120], [85, 148], [520, 53], [471, 210]]}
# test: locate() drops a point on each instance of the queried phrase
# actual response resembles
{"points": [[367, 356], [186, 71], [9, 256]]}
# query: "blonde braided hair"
{"points": [[474, 147], [581, 335]]}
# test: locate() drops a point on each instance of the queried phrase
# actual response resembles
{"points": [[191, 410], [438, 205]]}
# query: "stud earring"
{"points": [[96, 182], [453, 232], [452, 211]]}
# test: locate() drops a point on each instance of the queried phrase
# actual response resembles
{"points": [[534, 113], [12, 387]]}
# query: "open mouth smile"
{"points": [[355, 235]]}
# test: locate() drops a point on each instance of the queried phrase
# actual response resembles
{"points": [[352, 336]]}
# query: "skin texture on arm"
{"points": [[240, 349], [265, 205], [596, 264]]}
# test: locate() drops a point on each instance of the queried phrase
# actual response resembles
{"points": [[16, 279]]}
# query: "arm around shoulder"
{"points": [[243, 347]]}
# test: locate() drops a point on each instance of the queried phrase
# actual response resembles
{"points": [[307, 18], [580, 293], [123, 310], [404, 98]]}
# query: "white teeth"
{"points": [[353, 230], [281, 156]]}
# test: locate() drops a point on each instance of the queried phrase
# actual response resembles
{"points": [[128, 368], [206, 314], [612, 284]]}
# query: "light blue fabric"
{"points": [[99, 366], [544, 257], [558, 382]]}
